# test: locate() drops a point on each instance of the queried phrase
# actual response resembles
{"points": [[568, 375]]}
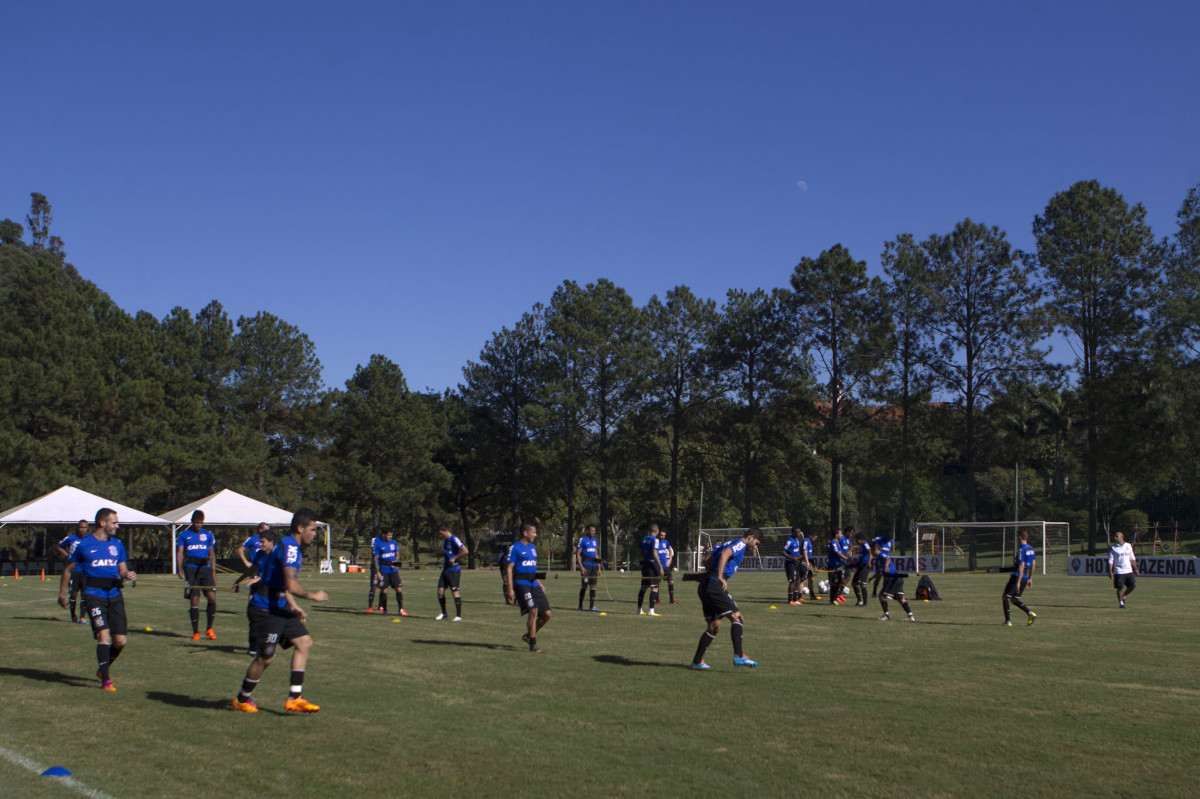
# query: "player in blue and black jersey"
{"points": [[880, 545], [652, 570], [453, 551], [862, 567], [385, 572], [587, 556], [101, 558], [893, 581], [837, 558], [275, 618], [247, 552], [266, 543], [807, 553], [523, 586], [1022, 577], [666, 554], [66, 548], [793, 563], [195, 552], [713, 591]]}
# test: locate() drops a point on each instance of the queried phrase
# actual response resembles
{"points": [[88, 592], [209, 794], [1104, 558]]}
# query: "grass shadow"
{"points": [[42, 675], [229, 649], [45, 618], [159, 634], [197, 703], [620, 660], [474, 644]]}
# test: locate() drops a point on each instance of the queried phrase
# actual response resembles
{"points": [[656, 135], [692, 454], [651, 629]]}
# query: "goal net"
{"points": [[965, 546], [768, 556]]}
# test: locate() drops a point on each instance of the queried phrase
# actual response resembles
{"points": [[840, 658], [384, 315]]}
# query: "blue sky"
{"points": [[406, 178]]}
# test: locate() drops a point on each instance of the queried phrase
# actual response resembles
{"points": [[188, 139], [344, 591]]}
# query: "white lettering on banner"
{"points": [[1097, 566]]}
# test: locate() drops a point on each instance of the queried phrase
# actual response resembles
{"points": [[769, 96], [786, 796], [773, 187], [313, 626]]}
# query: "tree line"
{"points": [[837, 398]]}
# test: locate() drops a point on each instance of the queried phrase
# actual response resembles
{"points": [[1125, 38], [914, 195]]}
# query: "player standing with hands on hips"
{"points": [[101, 559], [196, 556]]}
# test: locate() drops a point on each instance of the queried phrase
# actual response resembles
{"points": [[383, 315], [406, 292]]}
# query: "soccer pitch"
{"points": [[1088, 701]]}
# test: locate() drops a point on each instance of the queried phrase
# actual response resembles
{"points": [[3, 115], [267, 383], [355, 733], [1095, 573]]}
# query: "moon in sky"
{"points": [[802, 185]]}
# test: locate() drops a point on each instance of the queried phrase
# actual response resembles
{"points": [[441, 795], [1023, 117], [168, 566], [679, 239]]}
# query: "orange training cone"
{"points": [[43, 574], [16, 574]]}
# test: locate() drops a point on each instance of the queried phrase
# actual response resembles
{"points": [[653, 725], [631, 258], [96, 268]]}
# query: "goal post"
{"points": [[995, 542], [768, 557]]}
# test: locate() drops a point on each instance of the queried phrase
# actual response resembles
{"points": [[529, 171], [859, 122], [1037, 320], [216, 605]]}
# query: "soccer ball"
{"points": [[823, 585], [846, 590], [804, 590], [622, 571]]}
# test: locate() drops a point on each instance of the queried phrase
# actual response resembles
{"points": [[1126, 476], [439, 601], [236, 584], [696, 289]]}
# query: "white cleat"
{"points": [[885, 617], [652, 612], [439, 617], [457, 618]]}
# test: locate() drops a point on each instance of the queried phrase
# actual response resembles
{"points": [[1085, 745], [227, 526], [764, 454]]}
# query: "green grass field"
{"points": [[1089, 701]]}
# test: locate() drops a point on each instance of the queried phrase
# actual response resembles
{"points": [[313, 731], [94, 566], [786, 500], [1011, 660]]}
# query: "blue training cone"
{"points": [[56, 771]]}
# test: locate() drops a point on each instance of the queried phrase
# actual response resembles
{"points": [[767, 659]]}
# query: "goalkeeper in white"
{"points": [[1122, 566]]}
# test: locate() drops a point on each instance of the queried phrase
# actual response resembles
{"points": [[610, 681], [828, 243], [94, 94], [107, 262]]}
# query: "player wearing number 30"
{"points": [[722, 562], [275, 618], [101, 559]]}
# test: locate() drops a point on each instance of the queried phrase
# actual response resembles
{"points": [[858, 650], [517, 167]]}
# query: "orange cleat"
{"points": [[195, 636], [300, 705], [212, 636], [246, 707]]}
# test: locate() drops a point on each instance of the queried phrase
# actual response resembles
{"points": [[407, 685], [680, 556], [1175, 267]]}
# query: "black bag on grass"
{"points": [[925, 589]]}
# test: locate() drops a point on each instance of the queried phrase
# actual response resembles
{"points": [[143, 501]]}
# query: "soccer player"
{"points": [[66, 548], [275, 618], [1122, 566], [880, 544], [861, 569], [836, 558], [385, 573], [810, 546], [792, 564], [713, 591], [196, 553], [1022, 576], [248, 551], [666, 554], [453, 550], [522, 585], [100, 557], [651, 570], [893, 583], [587, 556], [266, 543]]}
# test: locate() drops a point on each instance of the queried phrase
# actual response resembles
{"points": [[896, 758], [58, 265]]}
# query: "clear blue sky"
{"points": [[408, 177]]}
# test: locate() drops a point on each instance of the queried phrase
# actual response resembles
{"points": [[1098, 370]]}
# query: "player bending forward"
{"points": [[722, 562]]}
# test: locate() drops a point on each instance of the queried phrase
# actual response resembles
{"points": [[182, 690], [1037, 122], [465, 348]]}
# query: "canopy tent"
{"points": [[230, 509], [67, 505]]}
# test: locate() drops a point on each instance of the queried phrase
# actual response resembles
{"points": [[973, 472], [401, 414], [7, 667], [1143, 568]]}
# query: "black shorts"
{"points": [[893, 586], [75, 585], [106, 613], [649, 573], [860, 574], [1124, 581], [792, 569], [389, 580], [715, 600], [197, 575], [271, 629], [449, 579], [1013, 589], [532, 597], [589, 573]]}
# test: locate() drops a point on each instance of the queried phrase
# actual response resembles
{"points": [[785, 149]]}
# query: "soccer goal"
{"points": [[768, 557], [994, 543]]}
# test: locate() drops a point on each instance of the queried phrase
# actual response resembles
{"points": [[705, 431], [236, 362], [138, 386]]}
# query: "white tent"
{"points": [[230, 509], [67, 505]]}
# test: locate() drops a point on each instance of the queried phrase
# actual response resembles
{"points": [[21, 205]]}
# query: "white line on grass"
{"points": [[36, 768]]}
